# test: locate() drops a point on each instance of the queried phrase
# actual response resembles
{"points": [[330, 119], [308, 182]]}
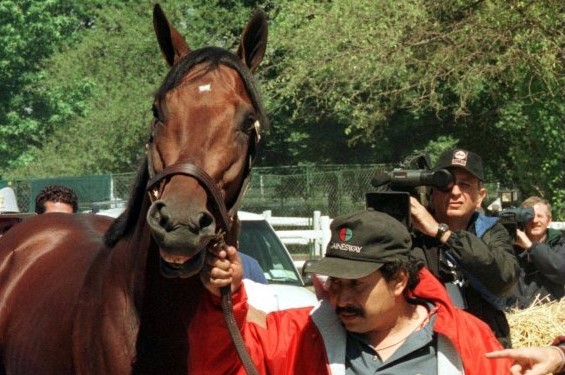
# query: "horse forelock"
{"points": [[214, 57]]}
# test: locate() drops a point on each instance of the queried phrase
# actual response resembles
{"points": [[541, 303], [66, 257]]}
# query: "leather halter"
{"points": [[156, 184]]}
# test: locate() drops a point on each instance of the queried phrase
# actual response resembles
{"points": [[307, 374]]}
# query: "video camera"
{"points": [[514, 218], [396, 187], [400, 179]]}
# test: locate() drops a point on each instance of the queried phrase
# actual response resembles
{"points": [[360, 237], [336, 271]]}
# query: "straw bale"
{"points": [[537, 325]]}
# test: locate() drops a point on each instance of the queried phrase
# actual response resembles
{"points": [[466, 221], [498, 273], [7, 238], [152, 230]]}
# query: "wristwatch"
{"points": [[441, 229]]}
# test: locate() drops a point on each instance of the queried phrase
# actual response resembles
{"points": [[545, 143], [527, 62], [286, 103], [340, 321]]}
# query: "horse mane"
{"points": [[124, 226]]}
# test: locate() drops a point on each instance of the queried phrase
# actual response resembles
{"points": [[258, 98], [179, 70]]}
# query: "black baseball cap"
{"points": [[361, 243], [460, 158]]}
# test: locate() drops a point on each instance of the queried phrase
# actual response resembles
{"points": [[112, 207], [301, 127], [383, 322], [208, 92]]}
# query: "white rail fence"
{"points": [[315, 230], [557, 225]]}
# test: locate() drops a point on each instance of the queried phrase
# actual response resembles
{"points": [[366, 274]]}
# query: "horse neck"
{"points": [[130, 256]]}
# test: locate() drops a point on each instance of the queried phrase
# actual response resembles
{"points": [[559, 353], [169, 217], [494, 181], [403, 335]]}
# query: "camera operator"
{"points": [[470, 252], [541, 255]]}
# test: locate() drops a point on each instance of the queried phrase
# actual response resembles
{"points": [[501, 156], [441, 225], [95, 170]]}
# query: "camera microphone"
{"points": [[441, 179]]}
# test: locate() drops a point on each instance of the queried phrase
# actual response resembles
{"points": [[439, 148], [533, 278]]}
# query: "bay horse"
{"points": [[81, 294]]}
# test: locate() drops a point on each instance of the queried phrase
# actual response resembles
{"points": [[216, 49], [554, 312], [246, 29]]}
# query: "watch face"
{"points": [[442, 228]]}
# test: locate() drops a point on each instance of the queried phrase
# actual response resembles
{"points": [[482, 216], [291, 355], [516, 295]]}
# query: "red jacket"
{"points": [[312, 341]]}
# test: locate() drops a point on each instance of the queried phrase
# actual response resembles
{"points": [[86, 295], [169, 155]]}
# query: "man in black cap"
{"points": [[471, 253], [382, 312]]}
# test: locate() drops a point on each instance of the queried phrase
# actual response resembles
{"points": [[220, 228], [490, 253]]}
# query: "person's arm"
{"points": [[489, 259], [534, 360], [252, 269], [211, 347], [271, 339], [549, 260], [424, 221], [522, 240]]}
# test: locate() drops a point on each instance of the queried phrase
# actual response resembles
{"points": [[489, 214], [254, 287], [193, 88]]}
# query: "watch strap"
{"points": [[442, 228]]}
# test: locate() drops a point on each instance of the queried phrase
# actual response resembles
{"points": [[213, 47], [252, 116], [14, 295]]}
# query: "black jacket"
{"points": [[481, 261], [543, 271]]}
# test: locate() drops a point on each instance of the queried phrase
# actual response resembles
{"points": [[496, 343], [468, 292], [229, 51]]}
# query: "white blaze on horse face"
{"points": [[204, 88]]}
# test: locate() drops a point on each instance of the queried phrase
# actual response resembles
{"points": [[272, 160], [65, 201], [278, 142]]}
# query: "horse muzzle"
{"points": [[182, 240]]}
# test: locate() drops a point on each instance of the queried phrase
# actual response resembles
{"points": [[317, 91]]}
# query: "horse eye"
{"points": [[248, 124]]}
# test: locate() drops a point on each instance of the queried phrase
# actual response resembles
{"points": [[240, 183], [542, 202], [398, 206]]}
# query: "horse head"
{"points": [[206, 126]]}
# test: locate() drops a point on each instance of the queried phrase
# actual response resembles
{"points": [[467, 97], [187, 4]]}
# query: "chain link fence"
{"points": [[285, 191], [298, 191], [94, 192]]}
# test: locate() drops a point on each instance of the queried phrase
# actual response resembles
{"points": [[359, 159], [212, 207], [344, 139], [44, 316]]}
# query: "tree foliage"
{"points": [[110, 76], [30, 31], [97, 92], [344, 82], [401, 76]]}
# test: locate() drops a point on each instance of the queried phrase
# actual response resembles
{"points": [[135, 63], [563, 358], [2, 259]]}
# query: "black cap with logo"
{"points": [[461, 158], [361, 243]]}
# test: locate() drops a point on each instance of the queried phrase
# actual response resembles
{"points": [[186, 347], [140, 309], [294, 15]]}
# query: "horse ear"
{"points": [[254, 40], [172, 44]]}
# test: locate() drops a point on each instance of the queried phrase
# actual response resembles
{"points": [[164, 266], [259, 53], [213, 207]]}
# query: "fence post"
{"points": [[326, 233], [317, 246], [267, 214]]}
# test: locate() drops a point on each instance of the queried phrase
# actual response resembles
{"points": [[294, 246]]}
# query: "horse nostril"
{"points": [[162, 216], [205, 220]]}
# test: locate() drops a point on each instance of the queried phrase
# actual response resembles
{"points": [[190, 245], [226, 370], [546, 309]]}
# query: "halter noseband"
{"points": [[155, 184]]}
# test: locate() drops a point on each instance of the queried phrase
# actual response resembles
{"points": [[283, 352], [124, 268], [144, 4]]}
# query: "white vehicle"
{"points": [[259, 240]]}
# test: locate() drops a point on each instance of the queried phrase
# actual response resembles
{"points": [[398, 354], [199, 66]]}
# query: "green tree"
{"points": [[99, 88], [31, 31], [363, 81], [112, 73], [399, 76]]}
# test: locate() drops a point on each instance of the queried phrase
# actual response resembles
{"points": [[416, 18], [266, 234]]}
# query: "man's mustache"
{"points": [[349, 310]]}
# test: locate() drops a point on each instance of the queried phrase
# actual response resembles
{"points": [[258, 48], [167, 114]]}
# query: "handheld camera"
{"points": [[396, 187]]}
